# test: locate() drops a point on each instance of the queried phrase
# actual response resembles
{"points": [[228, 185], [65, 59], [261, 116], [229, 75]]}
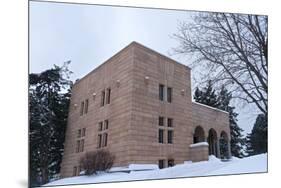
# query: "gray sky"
{"points": [[89, 34]]}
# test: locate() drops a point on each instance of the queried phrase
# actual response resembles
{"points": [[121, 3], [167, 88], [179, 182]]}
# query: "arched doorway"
{"points": [[224, 146], [198, 135], [213, 143]]}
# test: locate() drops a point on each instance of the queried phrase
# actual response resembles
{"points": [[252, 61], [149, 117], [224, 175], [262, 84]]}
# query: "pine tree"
{"points": [[49, 96], [257, 139], [221, 100], [237, 141]]}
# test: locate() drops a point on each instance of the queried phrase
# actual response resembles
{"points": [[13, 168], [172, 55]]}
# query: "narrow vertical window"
{"points": [[106, 124], [170, 122], [161, 92], [86, 106], [104, 139], [161, 121], [99, 140], [108, 91], [100, 126], [161, 136], [79, 133], [169, 94], [171, 162], [161, 164], [102, 98], [83, 132], [170, 136], [82, 145], [77, 146], [82, 108]]}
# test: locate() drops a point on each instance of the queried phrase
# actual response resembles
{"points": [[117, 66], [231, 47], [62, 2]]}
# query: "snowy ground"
{"points": [[214, 166]]}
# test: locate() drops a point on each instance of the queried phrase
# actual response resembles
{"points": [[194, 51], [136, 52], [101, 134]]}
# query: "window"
{"points": [[161, 136], [161, 121], [103, 134], [171, 162], [170, 122], [102, 98], [104, 139], [169, 94], [100, 126], [83, 131], [161, 92], [161, 164], [79, 133], [82, 145], [170, 136], [106, 124], [82, 108], [77, 146], [108, 90], [86, 106], [74, 171], [99, 140]]}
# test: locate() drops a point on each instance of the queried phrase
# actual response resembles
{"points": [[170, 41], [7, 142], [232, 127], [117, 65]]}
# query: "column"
{"points": [[218, 149]]}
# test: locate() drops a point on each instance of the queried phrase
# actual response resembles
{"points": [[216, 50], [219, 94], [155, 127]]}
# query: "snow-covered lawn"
{"points": [[214, 166]]}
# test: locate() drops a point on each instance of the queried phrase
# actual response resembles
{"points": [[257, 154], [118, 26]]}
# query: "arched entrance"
{"points": [[224, 146], [213, 143], [198, 135]]}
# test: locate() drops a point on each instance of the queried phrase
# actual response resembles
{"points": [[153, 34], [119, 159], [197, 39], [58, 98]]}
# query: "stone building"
{"points": [[138, 105]]}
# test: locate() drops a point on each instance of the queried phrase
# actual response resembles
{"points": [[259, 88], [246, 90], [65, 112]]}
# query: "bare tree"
{"points": [[232, 48]]}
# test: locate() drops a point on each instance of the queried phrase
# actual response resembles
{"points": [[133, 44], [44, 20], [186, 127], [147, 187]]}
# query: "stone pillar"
{"points": [[228, 150], [218, 149]]}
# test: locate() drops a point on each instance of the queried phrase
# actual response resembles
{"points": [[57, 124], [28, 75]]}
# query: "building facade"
{"points": [[138, 105]]}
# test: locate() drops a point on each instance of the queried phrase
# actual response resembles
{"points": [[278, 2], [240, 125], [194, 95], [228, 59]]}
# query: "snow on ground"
{"points": [[214, 166]]}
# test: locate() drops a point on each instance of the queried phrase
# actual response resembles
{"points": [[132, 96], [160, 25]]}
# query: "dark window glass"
{"points": [[161, 136], [86, 106], [78, 146], [82, 108], [171, 162], [99, 140], [102, 98], [169, 94], [161, 92], [83, 131], [74, 171], [106, 124], [108, 91], [105, 139], [170, 136], [161, 164], [161, 121], [100, 126], [79, 133], [170, 122]]}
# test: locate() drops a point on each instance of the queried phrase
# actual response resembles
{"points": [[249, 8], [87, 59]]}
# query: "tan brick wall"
{"points": [[135, 108]]}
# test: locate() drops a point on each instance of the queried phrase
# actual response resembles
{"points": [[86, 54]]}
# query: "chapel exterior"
{"points": [[138, 106]]}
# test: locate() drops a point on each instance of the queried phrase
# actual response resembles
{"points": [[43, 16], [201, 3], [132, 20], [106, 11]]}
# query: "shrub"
{"points": [[95, 161]]}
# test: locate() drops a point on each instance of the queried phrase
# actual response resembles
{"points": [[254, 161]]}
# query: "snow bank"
{"points": [[214, 166], [199, 144], [143, 167]]}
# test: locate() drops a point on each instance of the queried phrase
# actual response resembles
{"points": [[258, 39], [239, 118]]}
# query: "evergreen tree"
{"points": [[49, 96], [257, 139], [221, 100], [237, 141]]}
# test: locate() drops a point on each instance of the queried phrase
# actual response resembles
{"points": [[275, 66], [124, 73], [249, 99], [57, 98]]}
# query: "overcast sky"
{"points": [[90, 34]]}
